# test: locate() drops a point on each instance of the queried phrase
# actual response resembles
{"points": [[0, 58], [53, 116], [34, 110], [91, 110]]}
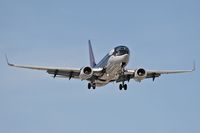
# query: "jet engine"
{"points": [[140, 74], [86, 73]]}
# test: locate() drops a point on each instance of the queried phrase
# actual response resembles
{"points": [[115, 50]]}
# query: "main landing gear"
{"points": [[121, 86], [91, 85]]}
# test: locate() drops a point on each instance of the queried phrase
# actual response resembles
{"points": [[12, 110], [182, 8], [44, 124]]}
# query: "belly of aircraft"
{"points": [[113, 70], [111, 75]]}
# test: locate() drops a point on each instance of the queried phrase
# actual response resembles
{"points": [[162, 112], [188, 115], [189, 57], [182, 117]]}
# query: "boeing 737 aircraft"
{"points": [[110, 69]]}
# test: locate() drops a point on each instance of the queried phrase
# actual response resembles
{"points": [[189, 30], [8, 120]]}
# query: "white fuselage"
{"points": [[114, 68]]}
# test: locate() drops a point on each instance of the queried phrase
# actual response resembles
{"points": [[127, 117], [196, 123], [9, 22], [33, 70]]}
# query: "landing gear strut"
{"points": [[121, 86], [91, 85]]}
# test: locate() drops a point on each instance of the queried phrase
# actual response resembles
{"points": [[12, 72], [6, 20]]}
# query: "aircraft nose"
{"points": [[125, 57]]}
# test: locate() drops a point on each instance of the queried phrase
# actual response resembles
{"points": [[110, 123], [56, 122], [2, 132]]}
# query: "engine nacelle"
{"points": [[140, 74], [86, 73]]}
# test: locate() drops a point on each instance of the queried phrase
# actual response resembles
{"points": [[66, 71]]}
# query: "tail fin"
{"points": [[92, 59]]}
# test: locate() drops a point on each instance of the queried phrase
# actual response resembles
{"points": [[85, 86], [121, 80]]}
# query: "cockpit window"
{"points": [[121, 50]]}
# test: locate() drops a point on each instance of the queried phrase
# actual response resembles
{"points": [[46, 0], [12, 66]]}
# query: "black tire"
{"points": [[89, 86], [125, 87], [94, 87], [120, 87]]}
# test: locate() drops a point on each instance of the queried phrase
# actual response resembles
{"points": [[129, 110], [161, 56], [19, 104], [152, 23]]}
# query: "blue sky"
{"points": [[161, 34]]}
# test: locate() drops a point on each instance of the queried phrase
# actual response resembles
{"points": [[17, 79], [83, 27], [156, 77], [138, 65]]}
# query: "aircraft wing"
{"points": [[157, 73], [60, 72], [130, 73]]}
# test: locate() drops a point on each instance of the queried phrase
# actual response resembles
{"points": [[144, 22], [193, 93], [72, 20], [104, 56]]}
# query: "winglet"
{"points": [[194, 66], [8, 61], [91, 54]]}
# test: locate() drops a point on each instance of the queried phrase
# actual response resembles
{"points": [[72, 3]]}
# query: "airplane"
{"points": [[112, 68]]}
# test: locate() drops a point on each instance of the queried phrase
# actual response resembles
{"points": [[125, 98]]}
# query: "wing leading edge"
{"points": [[130, 73], [60, 72]]}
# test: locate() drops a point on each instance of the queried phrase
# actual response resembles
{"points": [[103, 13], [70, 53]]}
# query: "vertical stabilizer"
{"points": [[92, 59]]}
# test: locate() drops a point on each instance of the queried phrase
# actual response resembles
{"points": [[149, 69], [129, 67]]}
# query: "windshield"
{"points": [[121, 50]]}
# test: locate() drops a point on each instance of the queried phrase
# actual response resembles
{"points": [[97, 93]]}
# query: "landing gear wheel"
{"points": [[94, 87], [125, 87], [120, 87], [89, 85]]}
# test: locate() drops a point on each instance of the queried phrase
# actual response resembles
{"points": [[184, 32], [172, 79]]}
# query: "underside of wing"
{"points": [[55, 71], [84, 73], [140, 74]]}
